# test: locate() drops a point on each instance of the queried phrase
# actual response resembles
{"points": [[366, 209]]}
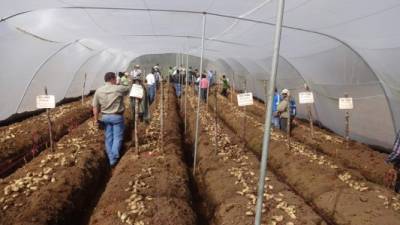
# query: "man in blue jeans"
{"points": [[108, 100]]}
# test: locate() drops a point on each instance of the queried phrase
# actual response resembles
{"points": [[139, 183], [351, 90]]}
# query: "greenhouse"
{"points": [[199, 112]]}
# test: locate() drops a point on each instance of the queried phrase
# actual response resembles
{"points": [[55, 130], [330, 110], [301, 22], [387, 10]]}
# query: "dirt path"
{"points": [[340, 194], [154, 187], [22, 141], [227, 177], [370, 163]]}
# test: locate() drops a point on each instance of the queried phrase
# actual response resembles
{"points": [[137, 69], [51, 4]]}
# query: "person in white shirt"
{"points": [[136, 72], [151, 86]]}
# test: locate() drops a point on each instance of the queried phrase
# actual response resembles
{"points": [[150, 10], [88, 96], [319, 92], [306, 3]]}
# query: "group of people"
{"points": [[108, 101]]}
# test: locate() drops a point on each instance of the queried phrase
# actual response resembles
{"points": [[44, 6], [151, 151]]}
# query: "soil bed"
{"points": [[54, 188], [369, 162], [22, 141], [338, 193], [152, 188], [227, 178]]}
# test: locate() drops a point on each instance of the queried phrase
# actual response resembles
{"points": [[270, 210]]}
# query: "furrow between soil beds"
{"points": [[152, 188], [339, 194], [227, 177]]}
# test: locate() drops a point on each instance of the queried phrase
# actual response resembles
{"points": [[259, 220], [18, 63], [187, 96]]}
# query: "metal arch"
{"points": [[226, 16], [302, 77], [106, 66], [80, 67], [39, 68]]}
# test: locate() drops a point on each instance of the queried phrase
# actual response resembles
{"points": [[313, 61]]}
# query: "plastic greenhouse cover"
{"points": [[336, 47]]}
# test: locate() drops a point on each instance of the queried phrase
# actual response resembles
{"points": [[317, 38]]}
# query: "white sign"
{"points": [[45, 101], [306, 97], [346, 103], [245, 99], [136, 91]]}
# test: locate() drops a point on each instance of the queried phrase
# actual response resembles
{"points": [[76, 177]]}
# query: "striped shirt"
{"points": [[394, 157]]}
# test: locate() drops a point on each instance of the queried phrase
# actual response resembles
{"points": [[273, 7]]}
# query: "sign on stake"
{"points": [[346, 103], [136, 91], [307, 97], [245, 99], [47, 102]]}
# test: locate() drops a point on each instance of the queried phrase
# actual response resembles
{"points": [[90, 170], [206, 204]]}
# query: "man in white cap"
{"points": [[136, 72], [283, 112]]}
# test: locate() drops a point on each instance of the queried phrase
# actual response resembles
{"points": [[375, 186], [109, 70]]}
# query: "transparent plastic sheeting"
{"points": [[336, 47]]}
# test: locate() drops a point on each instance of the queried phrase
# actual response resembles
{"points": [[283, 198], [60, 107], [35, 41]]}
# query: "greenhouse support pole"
{"points": [[268, 113], [198, 97], [186, 90], [83, 88]]}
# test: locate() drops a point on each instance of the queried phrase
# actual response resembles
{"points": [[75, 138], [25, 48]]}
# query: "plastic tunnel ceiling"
{"points": [[336, 47]]}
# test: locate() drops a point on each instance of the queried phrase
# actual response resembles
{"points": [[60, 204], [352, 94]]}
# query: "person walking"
{"points": [[394, 159], [108, 101], [275, 115], [143, 104], [282, 110], [176, 80], [203, 87], [136, 72], [225, 86], [151, 86]]}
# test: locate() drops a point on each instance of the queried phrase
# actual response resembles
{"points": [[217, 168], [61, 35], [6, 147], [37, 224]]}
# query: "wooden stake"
{"points": [[310, 118], [245, 116], [136, 126], [50, 125], [288, 125], [216, 120], [83, 88], [162, 117]]}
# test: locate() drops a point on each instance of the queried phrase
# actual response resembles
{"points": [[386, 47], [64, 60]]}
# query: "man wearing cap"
{"points": [[282, 110], [136, 72], [108, 100]]}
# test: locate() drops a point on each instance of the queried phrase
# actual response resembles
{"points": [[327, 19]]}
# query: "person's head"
{"points": [[137, 66], [153, 70], [170, 67], [276, 90], [121, 74], [203, 76], [223, 76], [285, 92], [110, 78]]}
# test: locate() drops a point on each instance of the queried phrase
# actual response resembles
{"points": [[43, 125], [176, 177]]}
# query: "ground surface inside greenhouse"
{"points": [[316, 181]]}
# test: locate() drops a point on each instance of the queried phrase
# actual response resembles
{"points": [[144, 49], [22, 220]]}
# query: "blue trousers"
{"points": [[178, 89], [151, 92], [114, 136], [275, 121]]}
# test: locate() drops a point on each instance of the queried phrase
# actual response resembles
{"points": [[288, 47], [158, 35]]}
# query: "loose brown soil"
{"points": [[227, 178], [340, 194], [370, 163], [154, 187], [54, 187], [21, 141]]}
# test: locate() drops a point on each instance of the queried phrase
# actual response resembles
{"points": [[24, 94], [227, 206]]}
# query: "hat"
{"points": [[137, 66], [285, 91]]}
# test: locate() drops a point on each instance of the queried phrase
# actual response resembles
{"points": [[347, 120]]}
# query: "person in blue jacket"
{"points": [[275, 103]]}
